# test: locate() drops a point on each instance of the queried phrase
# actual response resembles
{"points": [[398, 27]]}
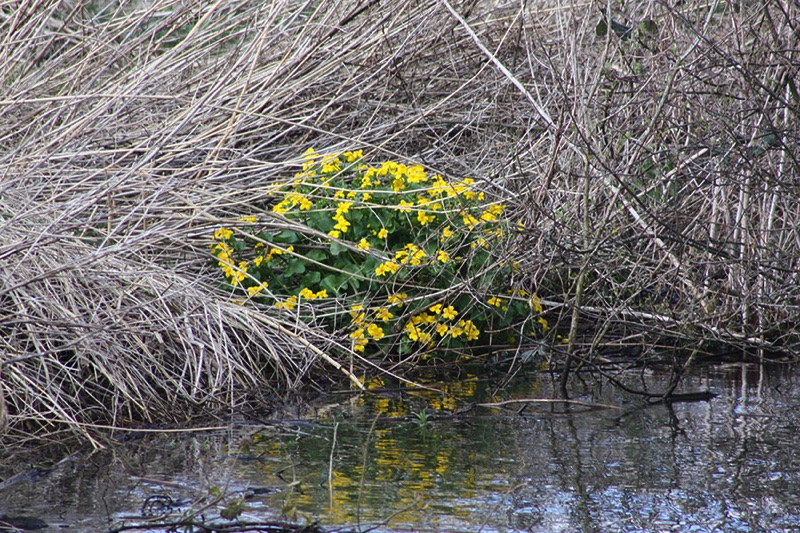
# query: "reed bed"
{"points": [[655, 170]]}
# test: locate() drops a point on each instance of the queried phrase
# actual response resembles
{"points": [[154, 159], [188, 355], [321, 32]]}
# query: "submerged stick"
{"points": [[549, 401]]}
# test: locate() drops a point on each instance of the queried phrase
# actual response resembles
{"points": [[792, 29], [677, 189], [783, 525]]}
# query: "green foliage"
{"points": [[232, 510], [396, 259]]}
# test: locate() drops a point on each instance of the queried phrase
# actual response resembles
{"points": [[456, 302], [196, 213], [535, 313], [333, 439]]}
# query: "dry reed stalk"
{"points": [[131, 131]]}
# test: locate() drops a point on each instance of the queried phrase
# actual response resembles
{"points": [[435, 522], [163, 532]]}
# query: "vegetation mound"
{"points": [[648, 152]]}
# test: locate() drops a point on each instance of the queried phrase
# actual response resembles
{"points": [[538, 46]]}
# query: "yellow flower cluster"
{"points": [[397, 220], [291, 302], [439, 321], [290, 201], [397, 299], [410, 254], [342, 224], [234, 271], [367, 329], [255, 289], [308, 294]]}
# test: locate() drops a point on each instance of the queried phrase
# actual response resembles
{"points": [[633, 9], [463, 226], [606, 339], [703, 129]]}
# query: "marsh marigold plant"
{"points": [[395, 259]]}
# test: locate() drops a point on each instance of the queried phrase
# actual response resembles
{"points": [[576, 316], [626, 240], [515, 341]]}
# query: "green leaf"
{"points": [[332, 283], [320, 221], [648, 26], [602, 28], [287, 237], [295, 266], [264, 236], [337, 248], [317, 255], [311, 278]]}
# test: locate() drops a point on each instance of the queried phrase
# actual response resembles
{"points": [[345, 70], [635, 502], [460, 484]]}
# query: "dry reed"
{"points": [[657, 176]]}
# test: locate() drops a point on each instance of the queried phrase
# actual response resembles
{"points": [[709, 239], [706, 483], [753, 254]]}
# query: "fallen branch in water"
{"points": [[234, 527], [527, 401]]}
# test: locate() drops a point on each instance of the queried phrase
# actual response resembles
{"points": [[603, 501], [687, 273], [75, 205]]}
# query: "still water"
{"points": [[728, 464]]}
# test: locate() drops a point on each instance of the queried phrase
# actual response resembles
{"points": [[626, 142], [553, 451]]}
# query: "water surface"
{"points": [[729, 464]]}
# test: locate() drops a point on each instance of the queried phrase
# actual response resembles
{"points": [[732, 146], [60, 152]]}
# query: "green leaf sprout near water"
{"points": [[398, 259]]}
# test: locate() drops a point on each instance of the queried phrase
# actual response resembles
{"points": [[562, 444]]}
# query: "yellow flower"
{"points": [[375, 331], [470, 330], [221, 249], [363, 244], [495, 301], [536, 304], [404, 206], [425, 318], [335, 233], [305, 203], [278, 251], [544, 324], [342, 224], [289, 304], [247, 219], [449, 312], [321, 294], [416, 334], [359, 340], [223, 234], [397, 299], [383, 233], [479, 242], [358, 314], [424, 218], [469, 220], [398, 184], [497, 209], [383, 314], [252, 291], [442, 329], [442, 256], [331, 167], [307, 293], [412, 331], [389, 267], [446, 233], [416, 174], [436, 309], [486, 216], [281, 207], [417, 254], [352, 156]]}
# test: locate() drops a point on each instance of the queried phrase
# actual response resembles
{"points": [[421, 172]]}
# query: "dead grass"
{"points": [[658, 176]]}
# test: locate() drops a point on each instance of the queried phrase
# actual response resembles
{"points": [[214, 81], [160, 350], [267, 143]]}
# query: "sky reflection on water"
{"points": [[730, 464]]}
